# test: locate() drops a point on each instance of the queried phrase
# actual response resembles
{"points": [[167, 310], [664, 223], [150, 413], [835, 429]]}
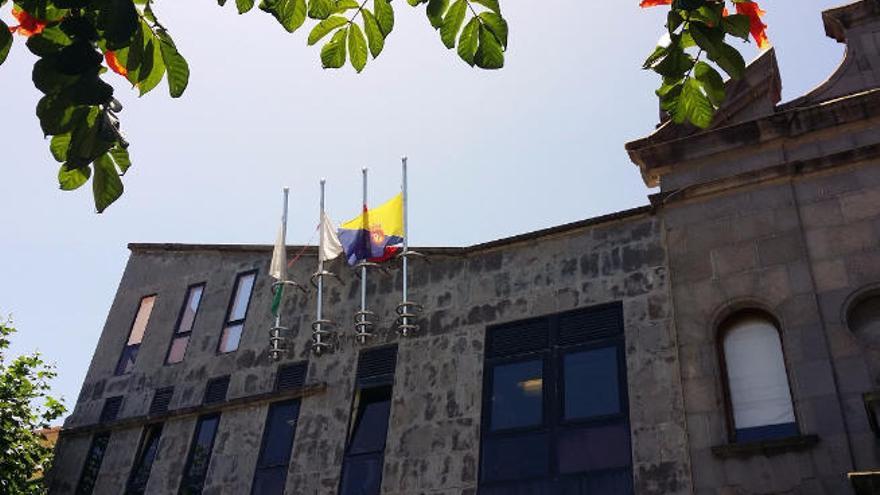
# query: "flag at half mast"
{"points": [[329, 246], [376, 234]]}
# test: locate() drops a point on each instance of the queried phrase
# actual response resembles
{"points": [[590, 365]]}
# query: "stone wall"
{"points": [[433, 440]]}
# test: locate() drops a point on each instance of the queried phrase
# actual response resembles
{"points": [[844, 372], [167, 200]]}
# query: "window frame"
{"points": [[80, 489], [721, 329], [554, 424], [192, 451], [177, 334], [126, 347], [146, 434], [227, 323], [266, 430]]}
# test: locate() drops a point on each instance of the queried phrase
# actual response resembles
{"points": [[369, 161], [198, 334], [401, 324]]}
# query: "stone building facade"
{"points": [[614, 336]]}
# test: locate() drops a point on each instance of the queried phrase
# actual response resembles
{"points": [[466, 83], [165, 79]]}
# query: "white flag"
{"points": [[278, 268], [329, 247]]}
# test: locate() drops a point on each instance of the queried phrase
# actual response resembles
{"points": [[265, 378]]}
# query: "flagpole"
{"points": [[364, 266], [403, 187], [275, 337], [319, 345]]}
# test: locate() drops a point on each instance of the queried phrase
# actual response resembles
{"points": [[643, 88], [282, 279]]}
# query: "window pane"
{"points": [[591, 383], [126, 361], [242, 296], [230, 338], [270, 481], [590, 449], [200, 456], [140, 473], [362, 475], [278, 438], [756, 375], [371, 421], [191, 306], [178, 349], [517, 395], [519, 457], [140, 321], [94, 458]]}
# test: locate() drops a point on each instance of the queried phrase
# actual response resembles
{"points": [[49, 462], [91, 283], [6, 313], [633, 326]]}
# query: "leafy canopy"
{"points": [[77, 42], [25, 407]]}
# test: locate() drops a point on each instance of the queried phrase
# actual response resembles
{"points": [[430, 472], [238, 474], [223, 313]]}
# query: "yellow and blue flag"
{"points": [[376, 234]]}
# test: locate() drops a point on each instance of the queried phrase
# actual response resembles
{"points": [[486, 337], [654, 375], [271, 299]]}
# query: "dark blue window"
{"points": [[275, 451], [517, 394], [92, 466], [555, 415], [199, 455], [140, 473], [365, 451]]}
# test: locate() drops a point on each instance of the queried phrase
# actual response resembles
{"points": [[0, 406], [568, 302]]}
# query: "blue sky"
{"points": [[492, 154]]}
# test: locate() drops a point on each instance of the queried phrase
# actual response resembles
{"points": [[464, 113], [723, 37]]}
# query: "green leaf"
{"points": [[343, 5], [489, 54], [333, 53], [51, 41], [89, 90], [729, 59], [320, 9], [673, 21], [106, 185], [712, 83], [469, 40], [86, 142], [120, 158], [56, 114], [322, 28], [58, 146], [435, 11], [693, 106], [5, 41], [375, 39], [384, 16], [178, 69], [452, 23], [676, 63], [737, 25], [490, 4], [413, 3], [244, 5], [70, 179], [658, 53], [497, 25], [117, 20], [291, 14], [143, 60], [357, 47], [48, 79]]}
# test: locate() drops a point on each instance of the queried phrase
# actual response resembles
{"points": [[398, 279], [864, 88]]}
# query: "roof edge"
{"points": [[313, 250]]}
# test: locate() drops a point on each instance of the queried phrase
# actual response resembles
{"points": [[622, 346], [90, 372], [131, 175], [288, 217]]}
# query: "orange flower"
{"points": [[28, 25], [654, 3], [756, 26], [114, 64]]}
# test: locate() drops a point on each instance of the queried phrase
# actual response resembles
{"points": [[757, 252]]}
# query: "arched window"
{"points": [[757, 383]]}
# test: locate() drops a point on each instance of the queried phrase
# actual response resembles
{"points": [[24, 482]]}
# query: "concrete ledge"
{"points": [[766, 448], [184, 412]]}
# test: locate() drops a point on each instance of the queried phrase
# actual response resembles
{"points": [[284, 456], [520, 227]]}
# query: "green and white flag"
{"points": [[278, 269]]}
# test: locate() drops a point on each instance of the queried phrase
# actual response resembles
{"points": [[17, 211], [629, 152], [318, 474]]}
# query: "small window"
{"points": [[136, 336], [863, 318], [271, 472], [185, 323], [230, 338], [196, 468], [757, 382], [291, 376], [216, 389], [111, 408], [161, 401], [149, 447], [92, 466], [592, 386], [365, 449]]}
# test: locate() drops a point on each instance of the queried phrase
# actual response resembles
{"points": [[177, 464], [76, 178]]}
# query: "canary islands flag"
{"points": [[376, 235]]}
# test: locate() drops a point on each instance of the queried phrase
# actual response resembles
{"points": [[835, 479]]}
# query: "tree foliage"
{"points": [[77, 42], [25, 407], [693, 50]]}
